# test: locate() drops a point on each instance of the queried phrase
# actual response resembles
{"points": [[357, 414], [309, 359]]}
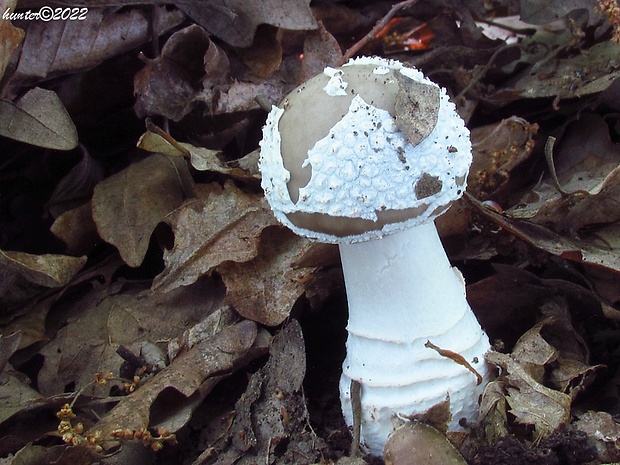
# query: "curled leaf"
{"points": [[222, 225]]}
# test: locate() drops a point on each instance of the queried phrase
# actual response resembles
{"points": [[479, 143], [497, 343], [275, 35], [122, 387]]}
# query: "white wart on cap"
{"points": [[362, 151]]}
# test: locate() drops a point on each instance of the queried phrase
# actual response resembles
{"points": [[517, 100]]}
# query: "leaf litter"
{"points": [[154, 311]]}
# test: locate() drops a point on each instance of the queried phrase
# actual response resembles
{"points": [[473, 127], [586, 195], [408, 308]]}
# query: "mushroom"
{"points": [[367, 156]]}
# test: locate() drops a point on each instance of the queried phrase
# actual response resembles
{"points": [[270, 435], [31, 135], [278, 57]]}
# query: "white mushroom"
{"points": [[367, 156]]}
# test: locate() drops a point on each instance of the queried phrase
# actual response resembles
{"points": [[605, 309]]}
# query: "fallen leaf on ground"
{"points": [[53, 48], [101, 323], [201, 158], [235, 21], [265, 288], [11, 37], [169, 83], [531, 402], [212, 358], [38, 118], [23, 275], [272, 411], [223, 224], [128, 206]]}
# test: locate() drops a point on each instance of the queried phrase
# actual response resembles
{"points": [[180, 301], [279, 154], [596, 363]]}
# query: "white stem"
{"points": [[402, 292]]}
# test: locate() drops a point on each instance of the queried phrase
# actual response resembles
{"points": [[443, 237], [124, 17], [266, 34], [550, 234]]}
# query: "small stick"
{"points": [[374, 31], [456, 358], [480, 74], [356, 407]]}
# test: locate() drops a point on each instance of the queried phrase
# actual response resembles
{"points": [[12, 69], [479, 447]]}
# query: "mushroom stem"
{"points": [[402, 292]]}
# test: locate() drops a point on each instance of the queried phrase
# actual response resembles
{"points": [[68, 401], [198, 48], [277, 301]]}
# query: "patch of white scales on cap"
{"points": [[366, 165]]}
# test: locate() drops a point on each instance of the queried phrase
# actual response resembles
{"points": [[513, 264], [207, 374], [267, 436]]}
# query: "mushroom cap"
{"points": [[364, 150]]}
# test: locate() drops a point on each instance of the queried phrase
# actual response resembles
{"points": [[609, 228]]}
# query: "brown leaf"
{"points": [[16, 396], [23, 276], [8, 345], [201, 158], [241, 96], [38, 118], [416, 108], [534, 353], [531, 402], [223, 224], [10, 36], [578, 76], [321, 49], [415, 442], [212, 358], [545, 11], [264, 56], [44, 270], [265, 289], [497, 149], [272, 410], [77, 230], [589, 251], [493, 411], [128, 205], [61, 47], [587, 167], [168, 85], [99, 323], [235, 21]]}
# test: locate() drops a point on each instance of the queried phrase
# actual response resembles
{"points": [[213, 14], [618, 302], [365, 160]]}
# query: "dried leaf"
{"points": [[168, 85], [534, 353], [22, 275], [241, 96], [577, 76], [10, 36], [16, 396], [99, 323], [531, 402], [321, 49], [55, 48], [201, 158], [223, 224], [582, 251], [265, 289], [415, 442], [272, 410], [8, 345], [34, 455], [416, 108], [498, 149], [264, 56], [38, 118], [546, 11], [44, 270], [235, 21], [77, 230], [210, 359], [493, 412], [128, 205]]}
